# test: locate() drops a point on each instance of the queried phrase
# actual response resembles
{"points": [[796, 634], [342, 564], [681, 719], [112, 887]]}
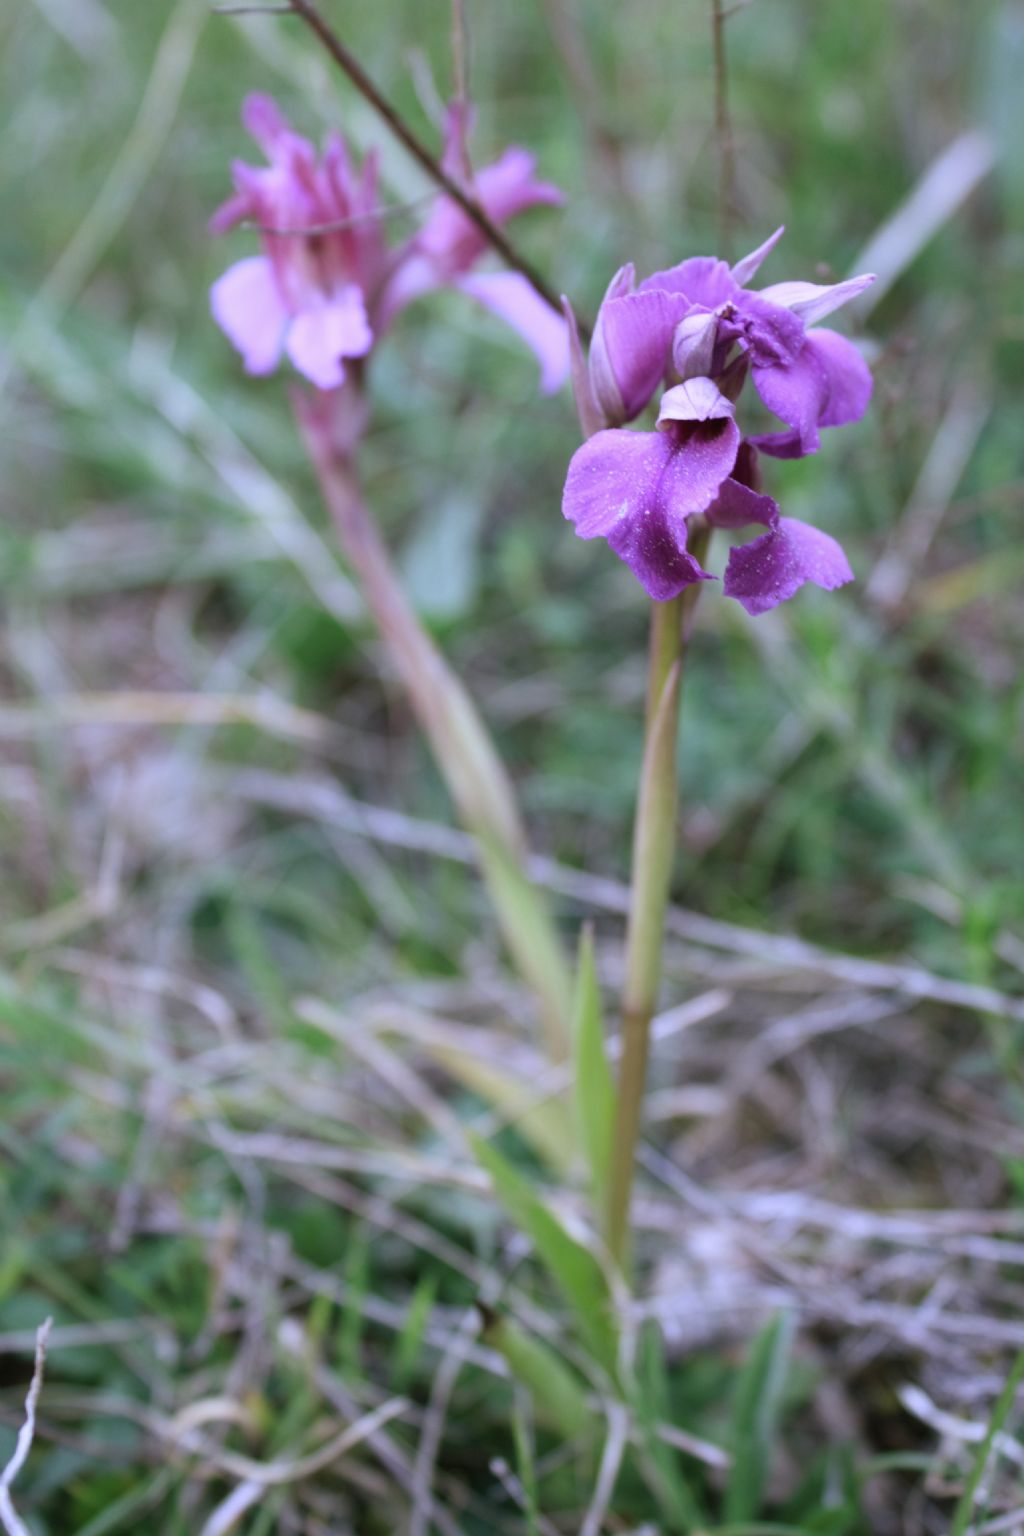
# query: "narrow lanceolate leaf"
{"points": [[532, 938], [556, 1392], [592, 1078], [755, 1417], [965, 1510], [547, 1126], [572, 1267]]}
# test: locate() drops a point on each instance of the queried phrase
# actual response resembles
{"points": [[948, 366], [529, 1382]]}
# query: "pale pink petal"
{"points": [[458, 123], [320, 338], [247, 305], [813, 301], [745, 269], [694, 400], [509, 186], [768, 571], [264, 120], [238, 206], [509, 296], [412, 277], [504, 188]]}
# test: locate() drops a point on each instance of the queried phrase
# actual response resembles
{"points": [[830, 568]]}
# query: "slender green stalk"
{"points": [[462, 748], [654, 838]]}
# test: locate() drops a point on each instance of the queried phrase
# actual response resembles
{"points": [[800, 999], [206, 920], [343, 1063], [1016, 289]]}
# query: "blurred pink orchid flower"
{"points": [[327, 284]]}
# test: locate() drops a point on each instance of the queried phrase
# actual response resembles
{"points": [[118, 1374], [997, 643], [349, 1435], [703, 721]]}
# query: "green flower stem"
{"points": [[654, 839], [459, 740]]}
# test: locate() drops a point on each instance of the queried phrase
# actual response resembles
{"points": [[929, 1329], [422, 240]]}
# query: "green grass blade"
{"points": [[755, 1418], [573, 1268], [964, 1514], [592, 1078], [557, 1394]]}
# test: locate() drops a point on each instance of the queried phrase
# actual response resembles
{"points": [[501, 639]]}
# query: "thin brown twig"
{"points": [[428, 161], [333, 226], [723, 128], [460, 52]]}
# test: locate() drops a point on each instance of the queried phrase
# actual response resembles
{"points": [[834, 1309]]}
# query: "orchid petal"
{"points": [[622, 283], [509, 296], [693, 344], [247, 305], [827, 385], [848, 375], [745, 269], [693, 400], [320, 338], [703, 279], [769, 570], [509, 185], [657, 555], [587, 409], [632, 488], [813, 301], [264, 121], [771, 333], [618, 475], [629, 352], [737, 506], [504, 188]]}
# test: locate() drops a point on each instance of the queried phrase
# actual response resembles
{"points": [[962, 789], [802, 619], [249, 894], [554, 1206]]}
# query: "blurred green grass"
{"points": [[850, 774]]}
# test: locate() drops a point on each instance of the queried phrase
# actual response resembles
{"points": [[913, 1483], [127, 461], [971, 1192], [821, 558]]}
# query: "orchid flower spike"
{"points": [[327, 285], [697, 332]]}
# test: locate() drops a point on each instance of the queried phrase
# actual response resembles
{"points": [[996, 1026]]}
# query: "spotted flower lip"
{"points": [[327, 284], [691, 336], [637, 489]]}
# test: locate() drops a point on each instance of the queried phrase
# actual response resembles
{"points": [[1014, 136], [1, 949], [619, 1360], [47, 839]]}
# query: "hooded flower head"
{"points": [[697, 333], [327, 283], [323, 253]]}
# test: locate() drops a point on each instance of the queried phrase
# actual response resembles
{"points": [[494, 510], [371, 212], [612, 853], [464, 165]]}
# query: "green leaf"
{"points": [[965, 1511], [546, 1126], [557, 1394], [410, 1341], [440, 562], [592, 1078], [573, 1268], [661, 1465], [755, 1417], [532, 938]]}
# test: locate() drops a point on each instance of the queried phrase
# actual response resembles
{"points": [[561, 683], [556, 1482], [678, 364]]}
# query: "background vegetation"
{"points": [[250, 995]]}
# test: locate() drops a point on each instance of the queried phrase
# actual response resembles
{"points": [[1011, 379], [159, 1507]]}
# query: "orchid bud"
{"points": [[693, 345]]}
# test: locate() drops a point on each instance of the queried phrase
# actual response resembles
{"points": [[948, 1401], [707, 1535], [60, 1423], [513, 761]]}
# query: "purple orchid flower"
{"points": [[323, 253], [327, 284], [698, 329], [448, 247]]}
